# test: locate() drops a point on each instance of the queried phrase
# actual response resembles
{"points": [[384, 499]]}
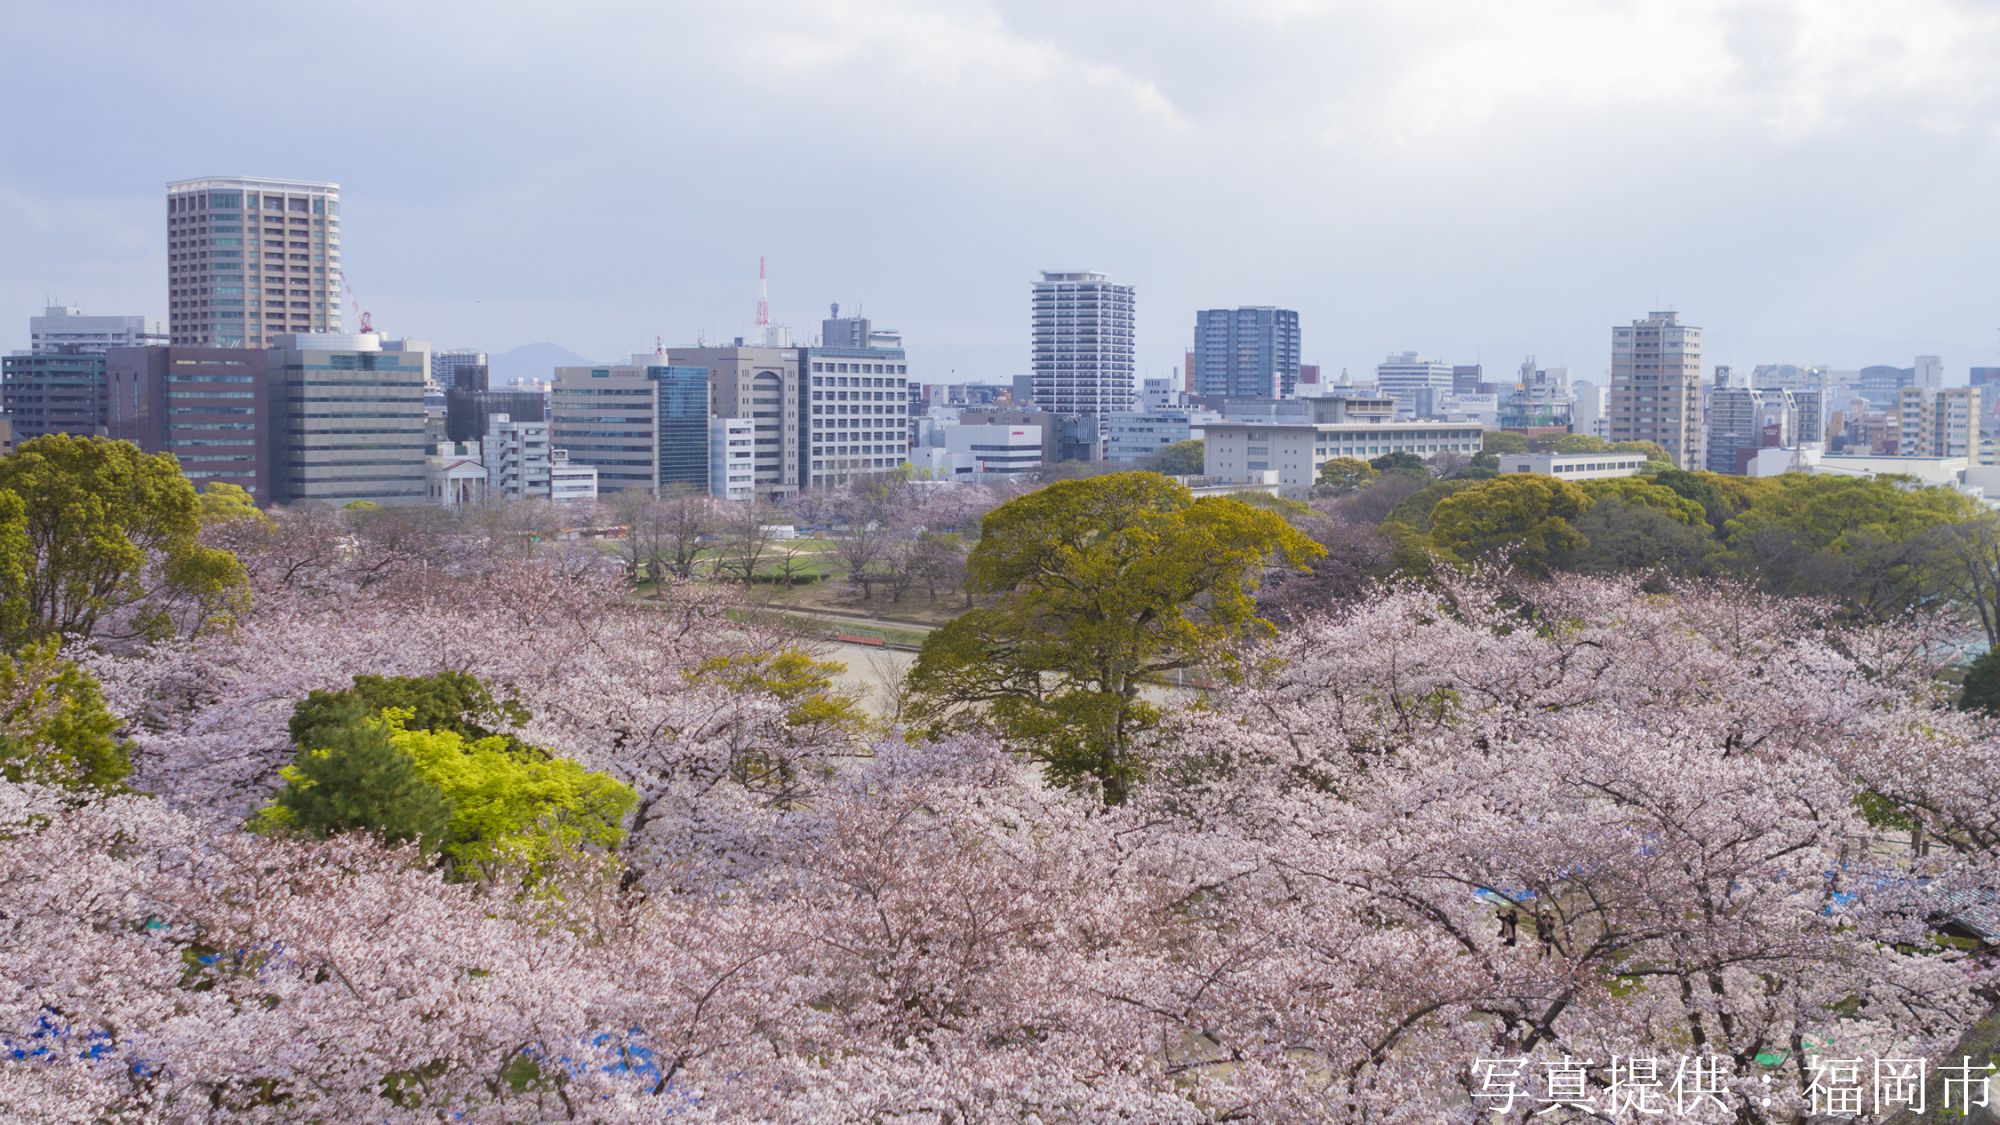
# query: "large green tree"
{"points": [[352, 778], [1181, 459], [1340, 476], [96, 527], [1527, 518], [1097, 586], [54, 726]]}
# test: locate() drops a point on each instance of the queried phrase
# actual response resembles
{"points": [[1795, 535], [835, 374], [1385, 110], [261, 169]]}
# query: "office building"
{"points": [[1937, 422], [209, 407], [838, 331], [857, 414], [732, 458], [1085, 358], [1132, 437], [517, 456], [1286, 445], [762, 384], [993, 451], [1656, 386], [64, 327], [570, 482], [642, 425], [1250, 352], [1540, 398], [467, 407], [1414, 382], [459, 367], [1928, 372], [60, 392], [1468, 378], [347, 419], [252, 260], [1743, 419], [1158, 394], [1574, 466]]}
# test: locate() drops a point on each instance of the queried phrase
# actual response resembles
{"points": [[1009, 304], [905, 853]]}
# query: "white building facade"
{"points": [[63, 327], [1084, 350], [1295, 450]]}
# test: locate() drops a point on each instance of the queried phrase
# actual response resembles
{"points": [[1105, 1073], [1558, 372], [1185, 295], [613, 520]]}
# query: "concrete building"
{"points": [[1085, 357], [1656, 386], [766, 386], [460, 367], [994, 451], [1588, 408], [732, 458], [59, 392], [1133, 437], [209, 407], [347, 418], [568, 482], [1574, 466], [1294, 447], [1248, 352], [1937, 422], [1743, 418], [252, 260], [1468, 379], [1928, 372], [62, 327], [642, 425], [517, 456], [838, 331], [1414, 381], [857, 419], [1158, 394]]}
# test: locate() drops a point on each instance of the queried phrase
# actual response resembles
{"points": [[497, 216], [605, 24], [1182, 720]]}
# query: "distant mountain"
{"points": [[532, 361]]}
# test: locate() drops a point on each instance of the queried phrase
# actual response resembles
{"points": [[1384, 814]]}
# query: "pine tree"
{"points": [[358, 780]]}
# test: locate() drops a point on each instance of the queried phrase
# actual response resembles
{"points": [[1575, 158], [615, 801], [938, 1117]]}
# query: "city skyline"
{"points": [[1446, 179]]}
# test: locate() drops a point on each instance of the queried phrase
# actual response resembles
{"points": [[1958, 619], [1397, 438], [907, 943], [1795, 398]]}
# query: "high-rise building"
{"points": [[857, 419], [1588, 404], [347, 418], [1085, 355], [1466, 378], [1656, 386], [459, 367], [1938, 422], [764, 384], [1249, 352], [1743, 418], [642, 425], [1414, 382], [209, 407], [1928, 372], [252, 260], [65, 326], [59, 392], [517, 458]]}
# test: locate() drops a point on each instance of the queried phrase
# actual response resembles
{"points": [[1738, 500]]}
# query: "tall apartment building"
{"points": [[459, 367], [857, 418], [517, 456], [60, 392], [1249, 352], [642, 425], [1938, 422], [1656, 386], [1414, 381], [765, 385], [252, 260], [347, 418], [66, 327], [1084, 350], [209, 407]]}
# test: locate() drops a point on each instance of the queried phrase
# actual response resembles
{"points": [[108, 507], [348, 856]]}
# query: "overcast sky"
{"points": [[1813, 181]]}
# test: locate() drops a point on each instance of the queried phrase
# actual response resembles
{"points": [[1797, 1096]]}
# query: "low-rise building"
{"points": [[1574, 466], [454, 477], [517, 457], [570, 482], [1133, 437], [993, 450], [1295, 447]]}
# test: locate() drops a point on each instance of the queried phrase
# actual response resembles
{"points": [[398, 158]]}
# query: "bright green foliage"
{"points": [[802, 682], [1503, 441], [1642, 492], [101, 526], [1339, 476], [1866, 542], [484, 803], [1653, 450], [1098, 585], [1982, 684], [1525, 516], [1181, 459], [222, 502], [511, 809], [354, 779], [54, 727], [1578, 443], [449, 700]]}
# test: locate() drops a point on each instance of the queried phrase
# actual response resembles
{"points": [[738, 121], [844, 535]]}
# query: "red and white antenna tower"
{"points": [[763, 300]]}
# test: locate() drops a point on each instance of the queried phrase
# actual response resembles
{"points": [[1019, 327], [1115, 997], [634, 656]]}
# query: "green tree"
{"points": [[353, 778], [101, 527], [1982, 684], [1098, 585], [1181, 459], [1643, 492], [1653, 450], [1339, 476], [449, 700], [54, 726], [1401, 461], [1527, 517], [1503, 441], [1871, 544], [1578, 443], [805, 684]]}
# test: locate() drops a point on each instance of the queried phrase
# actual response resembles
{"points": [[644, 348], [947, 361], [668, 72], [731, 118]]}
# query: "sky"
{"points": [[1811, 181]]}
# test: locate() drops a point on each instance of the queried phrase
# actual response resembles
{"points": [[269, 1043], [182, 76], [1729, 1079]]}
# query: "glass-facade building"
{"points": [[1250, 352], [642, 426], [250, 260]]}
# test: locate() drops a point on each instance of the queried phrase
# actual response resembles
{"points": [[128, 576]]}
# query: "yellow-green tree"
{"points": [[1339, 476], [1181, 459], [1524, 517], [54, 726], [1099, 585], [94, 527]]}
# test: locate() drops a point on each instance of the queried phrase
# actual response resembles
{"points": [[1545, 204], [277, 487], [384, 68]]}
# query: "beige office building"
{"points": [[347, 419], [1656, 386], [763, 385], [250, 260]]}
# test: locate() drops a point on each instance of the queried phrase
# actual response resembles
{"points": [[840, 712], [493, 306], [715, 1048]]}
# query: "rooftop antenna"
{"points": [[659, 347], [763, 299]]}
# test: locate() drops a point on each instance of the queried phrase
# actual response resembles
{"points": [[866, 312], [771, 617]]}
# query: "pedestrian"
{"points": [[1510, 926], [1545, 930]]}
